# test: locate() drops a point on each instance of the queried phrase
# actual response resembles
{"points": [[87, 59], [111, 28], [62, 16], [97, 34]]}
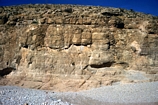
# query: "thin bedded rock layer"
{"points": [[70, 47]]}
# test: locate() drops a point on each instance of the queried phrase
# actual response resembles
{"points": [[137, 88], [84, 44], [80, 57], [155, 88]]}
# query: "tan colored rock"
{"points": [[75, 49]]}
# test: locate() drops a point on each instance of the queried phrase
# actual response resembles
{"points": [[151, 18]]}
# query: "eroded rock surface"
{"points": [[70, 47]]}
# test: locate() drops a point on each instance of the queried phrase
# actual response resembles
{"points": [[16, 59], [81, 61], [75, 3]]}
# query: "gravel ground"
{"points": [[133, 94], [129, 93], [10, 95]]}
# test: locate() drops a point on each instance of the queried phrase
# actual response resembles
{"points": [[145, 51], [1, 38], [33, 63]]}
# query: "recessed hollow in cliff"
{"points": [[119, 25], [108, 64], [110, 14], [68, 10], [6, 71], [25, 46]]}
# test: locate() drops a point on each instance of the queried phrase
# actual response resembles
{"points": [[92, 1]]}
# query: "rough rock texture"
{"points": [[70, 47]]}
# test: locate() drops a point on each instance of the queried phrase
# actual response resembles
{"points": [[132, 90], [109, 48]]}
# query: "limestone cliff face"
{"points": [[70, 47]]}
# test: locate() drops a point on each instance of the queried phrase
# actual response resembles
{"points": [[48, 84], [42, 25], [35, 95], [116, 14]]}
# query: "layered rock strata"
{"points": [[71, 47]]}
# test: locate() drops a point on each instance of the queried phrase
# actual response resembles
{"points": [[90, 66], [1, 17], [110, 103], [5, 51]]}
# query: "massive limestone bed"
{"points": [[72, 48], [129, 94]]}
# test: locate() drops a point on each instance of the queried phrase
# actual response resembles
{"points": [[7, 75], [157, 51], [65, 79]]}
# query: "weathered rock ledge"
{"points": [[71, 47]]}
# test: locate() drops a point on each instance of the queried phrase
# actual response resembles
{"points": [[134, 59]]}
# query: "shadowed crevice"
{"points": [[108, 64], [110, 14], [6, 71]]}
